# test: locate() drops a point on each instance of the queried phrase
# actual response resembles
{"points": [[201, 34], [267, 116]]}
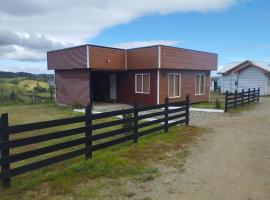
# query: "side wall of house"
{"points": [[188, 78], [103, 58], [252, 77], [72, 87], [228, 82], [126, 88], [177, 58]]}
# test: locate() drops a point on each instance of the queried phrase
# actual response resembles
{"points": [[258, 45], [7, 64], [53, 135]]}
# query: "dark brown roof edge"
{"points": [[129, 48], [188, 49], [78, 46]]}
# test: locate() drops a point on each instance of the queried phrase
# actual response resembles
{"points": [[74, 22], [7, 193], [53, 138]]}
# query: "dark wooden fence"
{"points": [[136, 119], [233, 100]]}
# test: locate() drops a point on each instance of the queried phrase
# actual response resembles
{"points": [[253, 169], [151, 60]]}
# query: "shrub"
{"points": [[218, 106]]}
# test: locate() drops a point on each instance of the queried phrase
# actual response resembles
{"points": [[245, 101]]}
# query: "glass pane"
{"points": [[197, 84], [171, 85], [202, 85], [146, 83], [139, 83], [177, 85]]}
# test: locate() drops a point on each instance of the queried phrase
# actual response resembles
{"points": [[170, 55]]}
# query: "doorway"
{"points": [[104, 86]]}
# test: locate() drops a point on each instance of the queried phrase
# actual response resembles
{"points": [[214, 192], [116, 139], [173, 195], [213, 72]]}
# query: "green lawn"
{"points": [[212, 103], [66, 180]]}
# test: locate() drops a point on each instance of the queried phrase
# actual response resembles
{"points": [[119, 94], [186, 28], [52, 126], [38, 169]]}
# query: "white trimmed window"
{"points": [[200, 84], [142, 83], [174, 85]]}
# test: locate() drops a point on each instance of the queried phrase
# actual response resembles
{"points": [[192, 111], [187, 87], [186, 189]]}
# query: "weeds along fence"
{"points": [[236, 99], [128, 128]]}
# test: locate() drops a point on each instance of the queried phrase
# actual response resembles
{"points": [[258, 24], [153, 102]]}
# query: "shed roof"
{"points": [[233, 66]]}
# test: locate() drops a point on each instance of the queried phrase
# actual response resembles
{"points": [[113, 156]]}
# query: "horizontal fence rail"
{"points": [[236, 99], [82, 139]]}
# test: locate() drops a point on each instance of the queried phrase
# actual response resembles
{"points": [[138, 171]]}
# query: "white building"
{"points": [[245, 75]]}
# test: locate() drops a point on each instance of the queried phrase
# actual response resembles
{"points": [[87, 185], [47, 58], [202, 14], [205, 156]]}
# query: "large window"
{"points": [[174, 85], [200, 84], [142, 83]]}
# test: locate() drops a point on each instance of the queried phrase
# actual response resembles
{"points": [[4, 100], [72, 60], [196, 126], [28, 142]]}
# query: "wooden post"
{"points": [[248, 95], [187, 105], [88, 131], [226, 101], [4, 137], [135, 123], [166, 114], [253, 95], [258, 98], [235, 99], [242, 97]]}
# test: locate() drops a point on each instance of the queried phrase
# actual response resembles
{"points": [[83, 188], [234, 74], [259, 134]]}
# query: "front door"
{"points": [[113, 87]]}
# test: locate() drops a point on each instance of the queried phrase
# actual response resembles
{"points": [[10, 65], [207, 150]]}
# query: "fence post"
{"points": [[135, 123], [226, 101], [4, 137], [187, 105], [166, 114], [248, 95], [235, 99], [258, 95], [88, 131], [253, 95], [242, 98]]}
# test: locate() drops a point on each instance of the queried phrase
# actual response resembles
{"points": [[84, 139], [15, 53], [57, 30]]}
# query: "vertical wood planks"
{"points": [[88, 131], [4, 137], [166, 114], [187, 105], [135, 123]]}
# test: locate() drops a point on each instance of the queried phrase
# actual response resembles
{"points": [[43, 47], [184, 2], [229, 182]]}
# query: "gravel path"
{"points": [[230, 162]]}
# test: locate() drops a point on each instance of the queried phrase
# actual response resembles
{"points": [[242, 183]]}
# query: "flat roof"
{"points": [[93, 45]]}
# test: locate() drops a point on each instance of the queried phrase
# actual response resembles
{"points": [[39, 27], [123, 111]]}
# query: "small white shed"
{"points": [[245, 75]]}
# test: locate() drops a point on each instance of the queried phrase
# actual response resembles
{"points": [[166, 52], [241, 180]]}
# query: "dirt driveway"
{"points": [[231, 162]]}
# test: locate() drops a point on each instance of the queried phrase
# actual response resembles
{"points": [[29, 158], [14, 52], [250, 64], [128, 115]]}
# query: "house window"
{"points": [[200, 84], [268, 84], [142, 83], [174, 85]]}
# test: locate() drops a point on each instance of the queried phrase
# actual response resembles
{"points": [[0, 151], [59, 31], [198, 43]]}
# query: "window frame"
{"points": [[136, 86], [203, 93], [180, 84]]}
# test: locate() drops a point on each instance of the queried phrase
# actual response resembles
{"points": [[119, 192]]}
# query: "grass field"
{"points": [[22, 90], [67, 180], [212, 102]]}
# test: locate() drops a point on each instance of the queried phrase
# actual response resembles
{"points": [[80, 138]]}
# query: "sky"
{"points": [[236, 30]]}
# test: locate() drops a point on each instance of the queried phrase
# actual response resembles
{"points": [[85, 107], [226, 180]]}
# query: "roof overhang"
{"points": [[238, 68]]}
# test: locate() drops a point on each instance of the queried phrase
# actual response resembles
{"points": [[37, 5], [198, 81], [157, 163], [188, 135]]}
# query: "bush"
{"points": [[218, 106]]}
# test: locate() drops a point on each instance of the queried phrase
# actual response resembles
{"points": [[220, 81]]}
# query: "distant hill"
{"points": [[24, 74]]}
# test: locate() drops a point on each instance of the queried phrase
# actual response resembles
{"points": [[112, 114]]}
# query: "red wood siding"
{"points": [[71, 58], [126, 88], [187, 85], [72, 86], [99, 56], [177, 58], [142, 58]]}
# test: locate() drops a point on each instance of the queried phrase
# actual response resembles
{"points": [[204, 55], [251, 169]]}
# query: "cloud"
{"points": [[30, 67], [134, 44], [29, 28]]}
